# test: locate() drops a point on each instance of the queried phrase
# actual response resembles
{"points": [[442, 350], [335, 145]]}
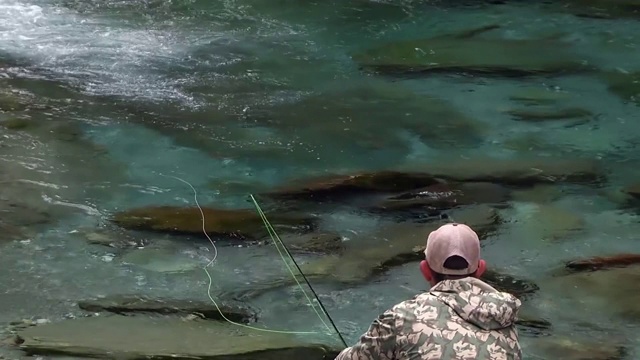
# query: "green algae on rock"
{"points": [[239, 223], [468, 53], [139, 337], [132, 304]]}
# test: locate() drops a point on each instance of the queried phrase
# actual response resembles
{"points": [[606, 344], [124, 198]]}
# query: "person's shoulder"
{"points": [[411, 305]]}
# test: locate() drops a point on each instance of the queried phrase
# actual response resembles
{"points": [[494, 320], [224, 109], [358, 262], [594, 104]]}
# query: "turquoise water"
{"points": [[241, 96]]}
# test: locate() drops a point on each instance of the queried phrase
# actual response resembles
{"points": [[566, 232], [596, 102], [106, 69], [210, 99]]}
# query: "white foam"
{"points": [[104, 57]]}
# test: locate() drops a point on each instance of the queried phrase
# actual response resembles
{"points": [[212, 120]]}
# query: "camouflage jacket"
{"points": [[457, 319]]}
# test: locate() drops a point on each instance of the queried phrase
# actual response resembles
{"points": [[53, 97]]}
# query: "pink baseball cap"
{"points": [[451, 240]]}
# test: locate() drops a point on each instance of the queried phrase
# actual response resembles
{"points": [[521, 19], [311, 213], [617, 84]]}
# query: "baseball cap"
{"points": [[451, 240]]}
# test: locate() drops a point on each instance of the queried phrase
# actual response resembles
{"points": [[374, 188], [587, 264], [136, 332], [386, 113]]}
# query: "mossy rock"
{"points": [[138, 338], [243, 223]]}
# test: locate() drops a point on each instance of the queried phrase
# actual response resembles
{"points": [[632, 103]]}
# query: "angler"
{"points": [[460, 317]]}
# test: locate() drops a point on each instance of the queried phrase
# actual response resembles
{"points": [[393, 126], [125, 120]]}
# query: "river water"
{"points": [[120, 93]]}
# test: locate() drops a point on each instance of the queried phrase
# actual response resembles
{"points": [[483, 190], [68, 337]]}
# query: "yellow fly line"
{"points": [[281, 251]]}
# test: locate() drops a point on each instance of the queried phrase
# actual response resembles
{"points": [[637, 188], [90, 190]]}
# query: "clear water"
{"points": [[207, 91]]}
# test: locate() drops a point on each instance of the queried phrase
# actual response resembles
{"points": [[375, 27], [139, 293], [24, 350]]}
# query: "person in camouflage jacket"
{"points": [[460, 317]]}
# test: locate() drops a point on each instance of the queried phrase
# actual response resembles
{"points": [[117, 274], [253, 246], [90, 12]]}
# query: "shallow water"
{"points": [[207, 91]]}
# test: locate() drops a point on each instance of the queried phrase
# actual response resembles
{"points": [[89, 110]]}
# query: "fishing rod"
{"points": [[275, 236]]}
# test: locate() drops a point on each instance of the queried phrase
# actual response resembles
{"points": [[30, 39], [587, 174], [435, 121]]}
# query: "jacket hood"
{"points": [[478, 303]]}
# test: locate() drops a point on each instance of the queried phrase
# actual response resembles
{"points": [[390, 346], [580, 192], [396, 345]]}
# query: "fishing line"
{"points": [[269, 229], [275, 236]]}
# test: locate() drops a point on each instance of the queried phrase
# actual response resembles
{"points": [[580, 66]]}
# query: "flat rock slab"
{"points": [[133, 338], [238, 223], [124, 304]]}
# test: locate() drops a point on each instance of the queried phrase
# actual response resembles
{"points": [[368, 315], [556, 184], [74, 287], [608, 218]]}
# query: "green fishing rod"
{"points": [[274, 236]]}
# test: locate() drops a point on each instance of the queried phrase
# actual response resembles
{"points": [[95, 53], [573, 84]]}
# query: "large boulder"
{"points": [[243, 223], [138, 338], [133, 304], [466, 52]]}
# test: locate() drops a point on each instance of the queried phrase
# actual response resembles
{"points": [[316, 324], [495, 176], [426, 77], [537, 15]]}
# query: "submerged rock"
{"points": [[551, 223], [163, 259], [368, 255], [324, 243], [533, 326], [393, 245], [443, 196], [17, 220], [503, 282], [536, 96], [243, 223], [615, 291], [603, 262], [549, 114], [339, 186], [16, 123], [601, 9], [12, 101], [517, 172], [130, 304], [138, 338], [570, 348], [538, 194], [624, 85], [468, 53]]}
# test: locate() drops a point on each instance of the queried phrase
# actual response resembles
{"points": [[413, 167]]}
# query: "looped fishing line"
{"points": [[215, 249]]}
